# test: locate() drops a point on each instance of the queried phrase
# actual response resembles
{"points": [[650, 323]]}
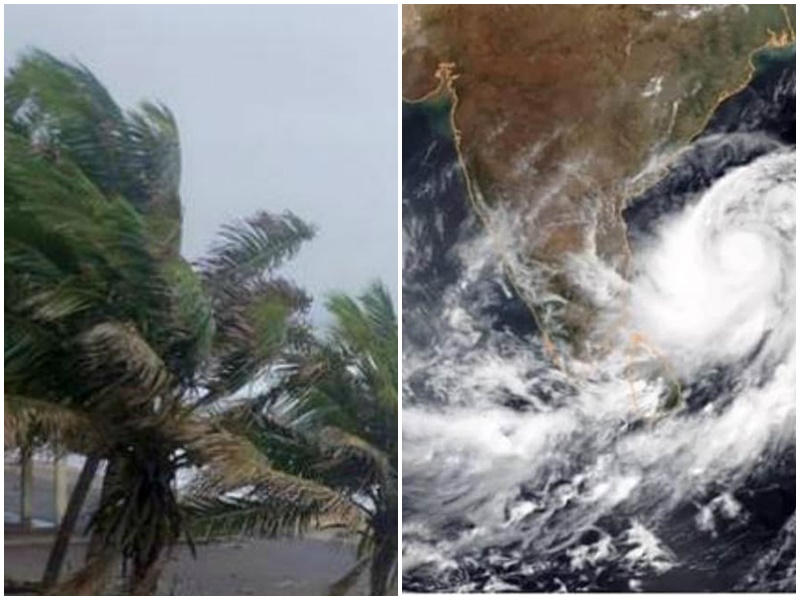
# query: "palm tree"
{"points": [[331, 420], [79, 279], [115, 343], [92, 231], [356, 399]]}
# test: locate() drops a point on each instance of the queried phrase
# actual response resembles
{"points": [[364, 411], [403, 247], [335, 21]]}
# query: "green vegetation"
{"points": [[120, 350], [334, 422]]}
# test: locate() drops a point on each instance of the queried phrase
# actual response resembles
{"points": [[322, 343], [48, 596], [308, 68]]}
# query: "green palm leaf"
{"points": [[250, 247]]}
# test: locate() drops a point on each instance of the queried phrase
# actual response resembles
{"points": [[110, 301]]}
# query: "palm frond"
{"points": [[114, 356], [156, 151], [191, 322], [31, 352], [59, 226], [74, 428], [344, 447], [263, 515], [255, 324], [367, 323], [365, 333], [260, 243], [233, 461], [65, 108], [154, 148], [239, 492], [280, 426], [66, 300]]}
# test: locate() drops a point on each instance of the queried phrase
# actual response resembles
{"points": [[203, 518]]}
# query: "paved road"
{"points": [[292, 567]]}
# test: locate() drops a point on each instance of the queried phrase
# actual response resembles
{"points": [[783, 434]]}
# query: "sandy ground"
{"points": [[306, 566]]}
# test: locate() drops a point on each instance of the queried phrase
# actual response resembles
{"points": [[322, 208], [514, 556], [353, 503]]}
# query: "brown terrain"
{"points": [[558, 110]]}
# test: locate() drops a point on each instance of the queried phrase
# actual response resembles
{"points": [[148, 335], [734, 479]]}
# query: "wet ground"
{"points": [[292, 567]]}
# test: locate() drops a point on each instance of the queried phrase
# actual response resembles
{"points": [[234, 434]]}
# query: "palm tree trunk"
{"points": [[60, 485], [101, 555], [26, 487], [58, 553], [382, 572], [343, 586], [91, 580], [382, 565], [144, 579]]}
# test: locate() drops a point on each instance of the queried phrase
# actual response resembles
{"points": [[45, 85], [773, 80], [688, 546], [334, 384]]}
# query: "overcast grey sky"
{"points": [[279, 107]]}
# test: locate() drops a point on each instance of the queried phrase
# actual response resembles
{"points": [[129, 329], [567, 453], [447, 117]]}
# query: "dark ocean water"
{"points": [[507, 486]]}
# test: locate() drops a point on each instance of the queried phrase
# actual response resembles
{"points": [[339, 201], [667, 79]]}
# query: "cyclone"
{"points": [[718, 279]]}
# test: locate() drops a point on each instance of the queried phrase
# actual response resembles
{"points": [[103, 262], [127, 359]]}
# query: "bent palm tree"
{"points": [[332, 420], [81, 287], [356, 399], [88, 292]]}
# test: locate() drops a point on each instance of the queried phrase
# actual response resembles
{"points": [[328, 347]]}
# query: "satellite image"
{"points": [[599, 298]]}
